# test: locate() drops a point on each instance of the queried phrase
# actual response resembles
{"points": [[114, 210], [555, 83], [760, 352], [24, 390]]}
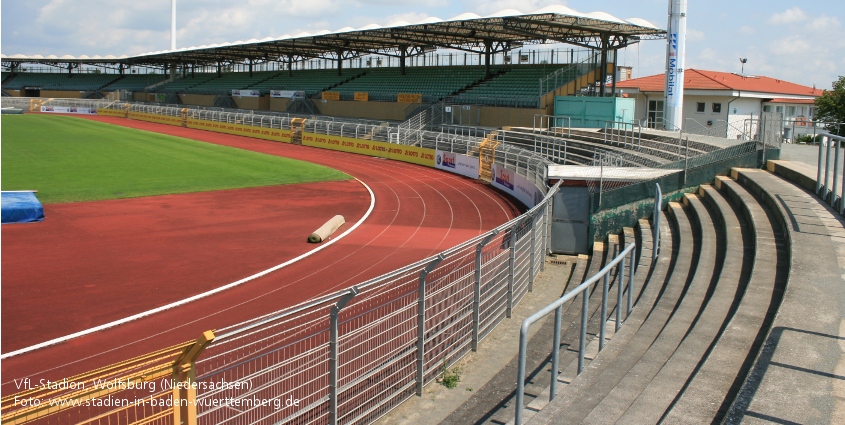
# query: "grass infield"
{"points": [[71, 160]]}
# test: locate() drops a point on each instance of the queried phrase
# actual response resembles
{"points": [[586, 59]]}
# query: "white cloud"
{"points": [[791, 45], [695, 35], [485, 7], [790, 16], [825, 24], [745, 29]]}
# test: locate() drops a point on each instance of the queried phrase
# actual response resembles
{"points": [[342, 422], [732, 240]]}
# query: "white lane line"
{"points": [[202, 295]]}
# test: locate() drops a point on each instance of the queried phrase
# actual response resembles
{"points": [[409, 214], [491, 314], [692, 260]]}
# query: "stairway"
{"points": [[691, 350]]}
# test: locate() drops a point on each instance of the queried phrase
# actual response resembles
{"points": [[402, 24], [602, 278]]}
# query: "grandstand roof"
{"points": [[504, 30], [697, 79]]}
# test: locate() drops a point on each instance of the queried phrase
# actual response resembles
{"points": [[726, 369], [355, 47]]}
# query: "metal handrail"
{"points": [[829, 190], [630, 250], [557, 307]]}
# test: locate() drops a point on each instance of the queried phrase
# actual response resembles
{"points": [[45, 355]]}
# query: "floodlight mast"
{"points": [[172, 24], [675, 53]]}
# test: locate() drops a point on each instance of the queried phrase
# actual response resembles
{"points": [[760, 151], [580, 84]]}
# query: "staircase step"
{"points": [[651, 294], [670, 381], [709, 394]]}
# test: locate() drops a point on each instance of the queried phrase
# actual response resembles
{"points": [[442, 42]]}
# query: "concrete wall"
{"points": [[197, 99], [517, 117], [62, 94], [14, 93], [279, 104], [252, 103], [392, 111]]}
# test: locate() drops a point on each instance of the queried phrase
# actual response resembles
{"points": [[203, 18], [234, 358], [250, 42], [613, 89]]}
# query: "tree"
{"points": [[830, 107]]}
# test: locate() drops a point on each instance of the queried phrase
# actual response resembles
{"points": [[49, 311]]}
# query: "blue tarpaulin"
{"points": [[21, 207]]}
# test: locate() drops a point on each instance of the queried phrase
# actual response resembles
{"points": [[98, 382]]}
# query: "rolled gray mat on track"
{"points": [[327, 229]]}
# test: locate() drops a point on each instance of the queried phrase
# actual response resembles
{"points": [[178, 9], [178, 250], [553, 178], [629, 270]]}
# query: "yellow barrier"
{"points": [[331, 95], [362, 96], [160, 119], [409, 98], [274, 134], [412, 154], [112, 112], [80, 395]]}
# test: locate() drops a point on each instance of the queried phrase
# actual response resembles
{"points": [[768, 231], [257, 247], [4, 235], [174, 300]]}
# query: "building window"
{"points": [[699, 107], [790, 111], [655, 114], [767, 108], [717, 108]]}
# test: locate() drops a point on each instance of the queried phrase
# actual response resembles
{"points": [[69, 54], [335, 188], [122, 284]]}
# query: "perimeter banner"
{"points": [[412, 154], [457, 163], [160, 119], [274, 134], [112, 112], [68, 110], [516, 185]]}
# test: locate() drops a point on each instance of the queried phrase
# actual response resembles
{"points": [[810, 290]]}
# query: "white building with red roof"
{"points": [[722, 102]]}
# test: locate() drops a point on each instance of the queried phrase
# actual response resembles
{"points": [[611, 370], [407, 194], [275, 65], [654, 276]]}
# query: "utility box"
{"points": [[594, 112], [571, 220]]}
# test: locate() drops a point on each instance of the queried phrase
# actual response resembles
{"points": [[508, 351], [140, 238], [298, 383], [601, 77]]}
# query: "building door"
{"points": [[655, 114]]}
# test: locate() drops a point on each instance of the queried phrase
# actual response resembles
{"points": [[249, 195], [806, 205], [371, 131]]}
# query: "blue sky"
{"points": [[802, 42]]}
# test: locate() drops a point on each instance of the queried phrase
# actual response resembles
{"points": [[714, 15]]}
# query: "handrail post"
{"points": [[620, 282], [333, 355], [555, 352], [531, 254], [421, 323], [658, 206], [520, 373], [631, 283], [819, 168], [476, 298], [605, 286], [511, 271], [827, 169], [582, 343], [834, 192]]}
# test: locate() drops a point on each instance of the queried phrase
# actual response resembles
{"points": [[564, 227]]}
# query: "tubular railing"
{"points": [[352, 356], [584, 289], [550, 123], [623, 134], [830, 185], [617, 264]]}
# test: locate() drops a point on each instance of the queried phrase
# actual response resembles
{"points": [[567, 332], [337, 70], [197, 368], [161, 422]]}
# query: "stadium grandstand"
{"points": [[649, 276]]}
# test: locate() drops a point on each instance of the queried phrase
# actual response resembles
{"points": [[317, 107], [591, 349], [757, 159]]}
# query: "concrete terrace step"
{"points": [[802, 363], [569, 368], [700, 279], [709, 394], [652, 294], [658, 395], [591, 387]]}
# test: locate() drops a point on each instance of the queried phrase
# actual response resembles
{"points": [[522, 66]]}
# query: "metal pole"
{"points": [[819, 167], [511, 272], [604, 289], [532, 256], [520, 382], [555, 352], [631, 284], [835, 190], [582, 344], [827, 169], [658, 205], [333, 360], [476, 299], [421, 323], [619, 283]]}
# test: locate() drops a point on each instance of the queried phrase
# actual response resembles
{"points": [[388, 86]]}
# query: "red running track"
{"points": [[419, 211]]}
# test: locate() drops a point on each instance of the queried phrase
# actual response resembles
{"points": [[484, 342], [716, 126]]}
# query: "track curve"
{"points": [[419, 212]]}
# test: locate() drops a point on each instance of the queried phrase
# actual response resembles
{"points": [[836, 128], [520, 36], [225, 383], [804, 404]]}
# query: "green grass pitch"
{"points": [[71, 160]]}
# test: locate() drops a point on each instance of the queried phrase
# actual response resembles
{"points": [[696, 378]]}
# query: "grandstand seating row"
{"points": [[81, 82], [519, 85]]}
